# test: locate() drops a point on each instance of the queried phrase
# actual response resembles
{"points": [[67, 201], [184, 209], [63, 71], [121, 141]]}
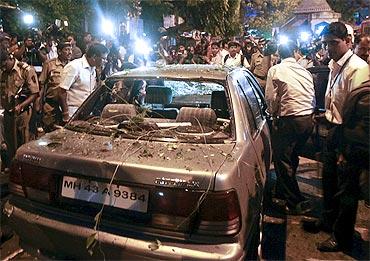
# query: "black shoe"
{"points": [[314, 225], [301, 208], [329, 245]]}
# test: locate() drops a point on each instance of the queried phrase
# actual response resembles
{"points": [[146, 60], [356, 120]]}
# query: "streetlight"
{"points": [[305, 36], [28, 19], [107, 27], [283, 39]]}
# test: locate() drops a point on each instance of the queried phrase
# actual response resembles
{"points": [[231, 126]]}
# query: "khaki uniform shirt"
{"points": [[256, 64], [22, 79], [51, 77]]}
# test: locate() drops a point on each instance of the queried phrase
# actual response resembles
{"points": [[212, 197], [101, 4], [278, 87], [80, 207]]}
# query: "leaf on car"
{"points": [[91, 242], [146, 154], [155, 245], [172, 146]]}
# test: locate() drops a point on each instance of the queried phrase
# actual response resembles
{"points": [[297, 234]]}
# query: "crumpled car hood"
{"points": [[166, 164]]}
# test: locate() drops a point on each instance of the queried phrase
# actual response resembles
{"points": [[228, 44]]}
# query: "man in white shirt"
{"points": [[79, 79], [235, 58], [290, 98], [347, 72]]}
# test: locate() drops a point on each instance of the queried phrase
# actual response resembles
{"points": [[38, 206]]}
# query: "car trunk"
{"points": [[142, 183]]}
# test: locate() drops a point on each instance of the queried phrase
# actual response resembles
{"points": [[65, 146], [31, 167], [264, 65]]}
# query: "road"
{"points": [[282, 236]]}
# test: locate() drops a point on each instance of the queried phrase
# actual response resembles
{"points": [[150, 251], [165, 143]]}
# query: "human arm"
{"points": [[62, 96], [271, 94]]}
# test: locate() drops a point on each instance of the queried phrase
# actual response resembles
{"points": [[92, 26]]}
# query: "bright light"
{"points": [[107, 27], [142, 47], [283, 39], [28, 19], [305, 36], [319, 29]]}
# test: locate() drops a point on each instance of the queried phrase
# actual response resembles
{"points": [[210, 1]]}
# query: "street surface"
{"points": [[282, 236]]}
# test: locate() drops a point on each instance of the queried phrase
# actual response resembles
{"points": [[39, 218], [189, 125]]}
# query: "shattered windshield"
{"points": [[163, 109]]}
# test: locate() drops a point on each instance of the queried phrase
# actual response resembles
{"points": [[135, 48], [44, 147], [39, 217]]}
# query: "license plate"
{"points": [[116, 195]]}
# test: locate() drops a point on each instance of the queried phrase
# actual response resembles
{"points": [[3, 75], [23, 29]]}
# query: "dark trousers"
{"points": [[289, 135], [348, 194]]}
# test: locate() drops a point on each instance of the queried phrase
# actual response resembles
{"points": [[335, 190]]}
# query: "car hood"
{"points": [[181, 165]]}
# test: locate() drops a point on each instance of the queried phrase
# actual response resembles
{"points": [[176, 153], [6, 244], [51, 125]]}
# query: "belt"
{"points": [[51, 101], [261, 77], [295, 116]]}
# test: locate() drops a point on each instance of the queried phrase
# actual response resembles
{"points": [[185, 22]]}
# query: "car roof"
{"points": [[181, 71]]}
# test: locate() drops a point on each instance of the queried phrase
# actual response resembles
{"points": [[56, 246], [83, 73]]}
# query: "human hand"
{"points": [[65, 117], [18, 108], [341, 160]]}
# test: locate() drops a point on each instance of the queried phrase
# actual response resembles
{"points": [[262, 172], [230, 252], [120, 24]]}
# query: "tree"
{"points": [[347, 7], [218, 17], [265, 15], [76, 12]]}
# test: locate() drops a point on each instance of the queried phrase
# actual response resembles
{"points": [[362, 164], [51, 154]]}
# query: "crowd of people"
{"points": [[42, 85]]}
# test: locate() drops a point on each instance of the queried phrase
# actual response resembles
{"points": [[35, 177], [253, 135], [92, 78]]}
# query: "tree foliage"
{"points": [[347, 7], [76, 12], [219, 17], [265, 15]]}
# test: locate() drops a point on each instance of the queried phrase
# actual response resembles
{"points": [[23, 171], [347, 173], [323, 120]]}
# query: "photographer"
{"points": [[30, 52]]}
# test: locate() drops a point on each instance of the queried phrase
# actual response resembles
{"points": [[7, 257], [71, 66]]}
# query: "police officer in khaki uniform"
{"points": [[50, 79], [18, 89], [260, 64]]}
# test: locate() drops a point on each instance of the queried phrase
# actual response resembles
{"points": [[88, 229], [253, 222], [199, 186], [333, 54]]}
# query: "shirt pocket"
{"points": [[55, 77]]}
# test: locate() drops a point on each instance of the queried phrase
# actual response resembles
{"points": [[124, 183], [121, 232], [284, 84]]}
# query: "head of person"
{"points": [[181, 48], [64, 50], [72, 39], [286, 50], [215, 48], [13, 39], [6, 60], [28, 41], [261, 43], [223, 44], [248, 46], [4, 41], [97, 54], [336, 40], [234, 48], [362, 48], [87, 37]]}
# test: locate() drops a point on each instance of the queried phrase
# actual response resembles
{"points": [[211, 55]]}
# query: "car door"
{"points": [[261, 136]]}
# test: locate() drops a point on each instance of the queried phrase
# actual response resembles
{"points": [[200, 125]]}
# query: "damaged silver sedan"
{"points": [[158, 163]]}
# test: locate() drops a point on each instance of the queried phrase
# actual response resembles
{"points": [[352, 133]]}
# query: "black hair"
{"points": [[63, 44], [216, 43], [337, 29], [96, 49], [73, 35], [287, 50]]}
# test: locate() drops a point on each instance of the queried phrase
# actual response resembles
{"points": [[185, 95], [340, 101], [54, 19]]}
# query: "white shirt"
{"points": [[217, 59], [79, 79], [235, 61], [305, 62], [53, 52], [289, 89], [339, 86], [224, 52]]}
